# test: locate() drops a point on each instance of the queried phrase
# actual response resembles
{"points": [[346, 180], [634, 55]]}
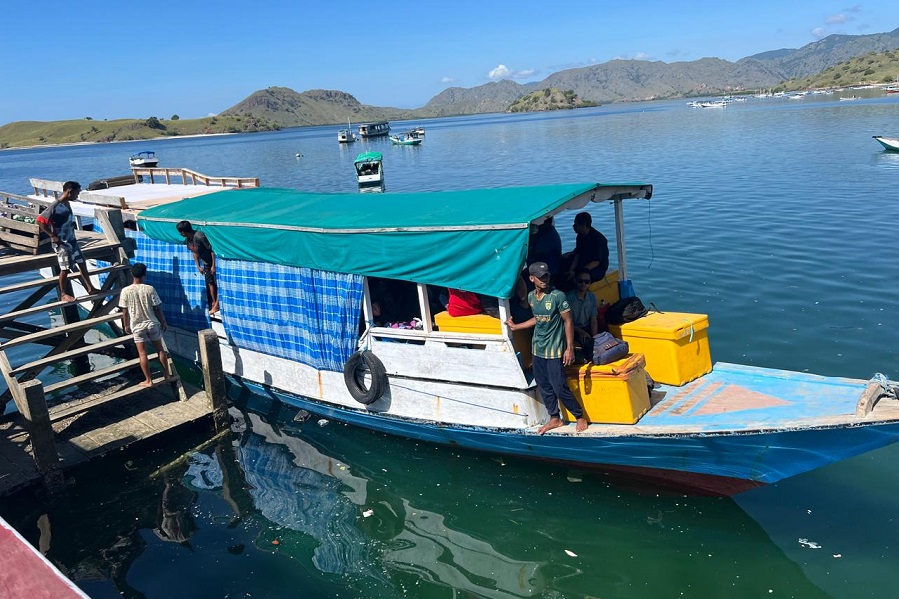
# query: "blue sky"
{"points": [[125, 59]]}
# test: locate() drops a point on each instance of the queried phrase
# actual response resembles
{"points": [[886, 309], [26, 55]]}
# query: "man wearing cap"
{"points": [[553, 346]]}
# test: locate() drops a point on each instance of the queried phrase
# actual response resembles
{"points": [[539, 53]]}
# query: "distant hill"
{"points": [[314, 107], [549, 99], [31, 133], [841, 59], [874, 67]]}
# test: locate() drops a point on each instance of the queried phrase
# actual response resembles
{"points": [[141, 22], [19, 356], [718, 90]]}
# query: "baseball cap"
{"points": [[538, 269]]}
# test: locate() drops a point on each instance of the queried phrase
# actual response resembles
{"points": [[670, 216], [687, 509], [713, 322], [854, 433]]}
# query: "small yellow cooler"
{"points": [[615, 393], [676, 344]]}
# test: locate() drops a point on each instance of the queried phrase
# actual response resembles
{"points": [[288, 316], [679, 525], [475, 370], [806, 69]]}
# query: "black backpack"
{"points": [[625, 310]]}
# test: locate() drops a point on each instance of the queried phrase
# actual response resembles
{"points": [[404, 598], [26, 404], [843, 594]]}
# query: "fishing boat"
{"points": [[415, 132], [346, 136], [406, 140], [369, 168], [144, 159], [374, 129], [348, 284], [889, 143]]}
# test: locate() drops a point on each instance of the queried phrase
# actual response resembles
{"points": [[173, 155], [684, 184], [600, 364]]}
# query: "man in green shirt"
{"points": [[553, 347]]}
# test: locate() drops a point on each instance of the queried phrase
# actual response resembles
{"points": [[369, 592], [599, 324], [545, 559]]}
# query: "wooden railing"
{"points": [[189, 177]]}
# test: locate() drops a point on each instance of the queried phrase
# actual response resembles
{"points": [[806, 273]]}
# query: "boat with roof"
{"points": [[327, 304], [359, 339], [144, 159], [369, 168], [374, 129]]}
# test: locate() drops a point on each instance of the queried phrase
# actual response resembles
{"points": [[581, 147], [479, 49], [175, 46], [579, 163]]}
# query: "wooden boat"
{"points": [[889, 143], [143, 160], [374, 129], [465, 382], [346, 136], [406, 140], [369, 168]]}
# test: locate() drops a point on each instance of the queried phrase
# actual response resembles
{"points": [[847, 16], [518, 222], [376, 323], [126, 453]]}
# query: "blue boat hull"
{"points": [[707, 463]]}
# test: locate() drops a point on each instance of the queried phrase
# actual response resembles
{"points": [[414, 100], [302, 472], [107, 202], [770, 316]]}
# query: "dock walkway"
{"points": [[96, 409]]}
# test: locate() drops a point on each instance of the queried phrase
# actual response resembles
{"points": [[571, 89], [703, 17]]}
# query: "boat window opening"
{"points": [[394, 303]]}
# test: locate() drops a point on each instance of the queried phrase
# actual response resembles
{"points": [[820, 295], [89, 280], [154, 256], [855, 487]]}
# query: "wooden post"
{"points": [[214, 378], [43, 444]]}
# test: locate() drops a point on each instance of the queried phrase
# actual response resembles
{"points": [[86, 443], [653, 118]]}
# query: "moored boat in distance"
{"points": [[889, 143], [465, 381], [346, 136], [374, 129], [144, 159], [369, 168], [406, 140]]}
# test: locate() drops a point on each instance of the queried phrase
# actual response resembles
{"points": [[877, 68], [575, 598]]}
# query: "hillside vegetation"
{"points": [[30, 133], [873, 67], [549, 99]]}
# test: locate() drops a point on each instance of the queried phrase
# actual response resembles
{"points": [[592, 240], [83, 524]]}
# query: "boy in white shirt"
{"points": [[142, 317]]}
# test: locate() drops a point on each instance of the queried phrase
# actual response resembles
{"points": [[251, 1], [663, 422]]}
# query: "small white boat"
{"points": [[143, 160], [889, 143], [416, 132], [346, 136], [849, 98], [406, 140], [369, 168]]}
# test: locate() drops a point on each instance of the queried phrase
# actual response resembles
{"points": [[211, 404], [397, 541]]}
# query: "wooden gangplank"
{"points": [[104, 408]]}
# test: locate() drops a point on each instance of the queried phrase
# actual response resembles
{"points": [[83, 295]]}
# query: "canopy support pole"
{"points": [[625, 287]]}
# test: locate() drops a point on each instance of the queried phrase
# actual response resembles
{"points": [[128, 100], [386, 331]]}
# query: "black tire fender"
{"points": [[354, 372]]}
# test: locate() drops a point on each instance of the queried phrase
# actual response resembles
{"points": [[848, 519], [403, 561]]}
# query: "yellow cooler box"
{"points": [[615, 393], [676, 345]]}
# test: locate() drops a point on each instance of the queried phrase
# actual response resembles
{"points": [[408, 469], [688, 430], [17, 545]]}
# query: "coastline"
{"points": [[118, 141]]}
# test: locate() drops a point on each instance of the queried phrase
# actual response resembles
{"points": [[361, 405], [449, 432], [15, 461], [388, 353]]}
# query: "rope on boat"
{"points": [[890, 388]]}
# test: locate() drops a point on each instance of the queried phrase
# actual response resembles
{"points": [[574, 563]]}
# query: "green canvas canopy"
{"points": [[367, 157], [475, 240]]}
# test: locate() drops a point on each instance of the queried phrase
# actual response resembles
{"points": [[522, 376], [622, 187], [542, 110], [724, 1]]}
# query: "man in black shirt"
{"points": [[591, 253]]}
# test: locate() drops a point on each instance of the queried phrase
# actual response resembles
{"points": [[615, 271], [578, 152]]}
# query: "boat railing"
{"points": [[189, 177]]}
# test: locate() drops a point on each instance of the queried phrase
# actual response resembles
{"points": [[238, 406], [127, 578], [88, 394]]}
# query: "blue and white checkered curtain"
{"points": [[309, 316], [172, 271]]}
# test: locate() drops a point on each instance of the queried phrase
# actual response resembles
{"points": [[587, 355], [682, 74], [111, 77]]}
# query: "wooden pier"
{"points": [[104, 408]]}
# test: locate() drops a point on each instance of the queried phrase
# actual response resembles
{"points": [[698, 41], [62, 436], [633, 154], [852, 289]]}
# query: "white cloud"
{"points": [[836, 19], [500, 72], [818, 32], [447, 80], [637, 56], [504, 72]]}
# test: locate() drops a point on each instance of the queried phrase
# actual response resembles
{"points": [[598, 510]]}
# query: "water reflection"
{"points": [[283, 508]]}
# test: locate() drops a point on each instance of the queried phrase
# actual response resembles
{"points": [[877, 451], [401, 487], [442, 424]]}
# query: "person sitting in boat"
{"points": [[591, 252], [545, 245], [584, 313], [58, 223], [204, 258], [552, 347]]}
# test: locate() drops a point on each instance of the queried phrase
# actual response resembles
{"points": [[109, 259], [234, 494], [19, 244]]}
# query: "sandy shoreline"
{"points": [[118, 141]]}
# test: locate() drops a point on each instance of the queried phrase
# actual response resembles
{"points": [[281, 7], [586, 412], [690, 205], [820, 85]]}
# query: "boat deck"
{"points": [[147, 195], [735, 398]]}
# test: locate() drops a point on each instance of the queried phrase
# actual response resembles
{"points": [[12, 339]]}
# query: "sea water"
{"points": [[775, 218]]}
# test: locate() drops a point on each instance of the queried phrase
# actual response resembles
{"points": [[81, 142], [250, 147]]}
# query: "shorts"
{"points": [[149, 334], [67, 256]]}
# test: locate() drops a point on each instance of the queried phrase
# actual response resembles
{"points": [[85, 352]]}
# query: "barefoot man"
{"points": [[553, 346], [142, 316], [57, 222]]}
